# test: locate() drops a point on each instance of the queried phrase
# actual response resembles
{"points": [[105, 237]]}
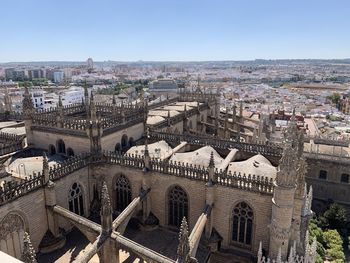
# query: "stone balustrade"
{"points": [[264, 149], [13, 189], [10, 143], [68, 166]]}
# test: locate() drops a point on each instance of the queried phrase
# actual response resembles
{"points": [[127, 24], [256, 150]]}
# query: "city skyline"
{"points": [[173, 31]]}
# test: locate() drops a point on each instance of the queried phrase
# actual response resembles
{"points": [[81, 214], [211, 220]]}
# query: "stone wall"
{"points": [[31, 207], [63, 185], [226, 199], [332, 187], [109, 142], [42, 140]]}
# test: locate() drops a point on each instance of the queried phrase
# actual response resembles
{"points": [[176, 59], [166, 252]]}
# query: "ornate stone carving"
{"points": [[28, 254], [11, 223]]}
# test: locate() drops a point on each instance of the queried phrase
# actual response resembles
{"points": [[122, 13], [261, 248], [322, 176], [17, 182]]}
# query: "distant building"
{"points": [[36, 74], [70, 96], [163, 85], [90, 63], [14, 74], [58, 76], [73, 96]]}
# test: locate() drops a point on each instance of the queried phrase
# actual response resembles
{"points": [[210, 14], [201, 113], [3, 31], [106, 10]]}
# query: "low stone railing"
{"points": [[248, 182], [68, 166], [264, 149], [14, 189], [10, 143]]}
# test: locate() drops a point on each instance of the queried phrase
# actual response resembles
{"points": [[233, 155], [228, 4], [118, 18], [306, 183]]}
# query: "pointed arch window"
{"points": [[242, 225], [177, 206], [75, 199], [123, 193], [61, 146]]}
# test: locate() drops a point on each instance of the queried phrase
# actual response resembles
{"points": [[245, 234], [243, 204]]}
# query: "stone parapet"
{"points": [[264, 149]]}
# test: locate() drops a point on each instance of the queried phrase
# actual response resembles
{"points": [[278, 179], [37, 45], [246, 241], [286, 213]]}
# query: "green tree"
{"points": [[316, 231], [335, 217], [334, 246], [335, 98]]}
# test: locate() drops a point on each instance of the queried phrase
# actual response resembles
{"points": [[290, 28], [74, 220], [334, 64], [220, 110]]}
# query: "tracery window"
{"points": [[123, 193], [178, 206], [11, 235], [242, 225], [75, 199]]}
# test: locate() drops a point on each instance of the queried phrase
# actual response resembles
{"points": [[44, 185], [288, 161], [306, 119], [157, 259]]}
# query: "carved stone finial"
{"points": [[301, 172], [106, 210], [211, 161], [92, 97], [28, 254], [260, 252], [183, 250], [105, 200], [60, 101], [45, 167], [27, 103], [279, 256], [286, 174]]}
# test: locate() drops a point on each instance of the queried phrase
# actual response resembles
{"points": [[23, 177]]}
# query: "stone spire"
{"points": [[60, 101], [286, 171], [183, 250], [45, 168], [211, 169], [260, 254], [283, 201], [60, 113], [92, 108], [211, 161], [27, 104], [300, 178], [241, 108], [226, 135], [279, 256], [168, 118], [113, 100], [307, 203], [146, 156], [106, 210], [28, 254]]}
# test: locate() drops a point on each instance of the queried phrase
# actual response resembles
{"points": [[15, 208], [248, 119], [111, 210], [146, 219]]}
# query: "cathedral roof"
{"points": [[199, 157], [153, 149], [256, 165], [151, 120]]}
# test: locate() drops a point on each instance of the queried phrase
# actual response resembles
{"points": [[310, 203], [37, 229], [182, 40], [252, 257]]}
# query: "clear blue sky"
{"points": [[130, 30]]}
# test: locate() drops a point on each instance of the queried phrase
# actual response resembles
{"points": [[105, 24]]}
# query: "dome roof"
{"points": [[162, 147], [198, 157], [256, 165]]}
